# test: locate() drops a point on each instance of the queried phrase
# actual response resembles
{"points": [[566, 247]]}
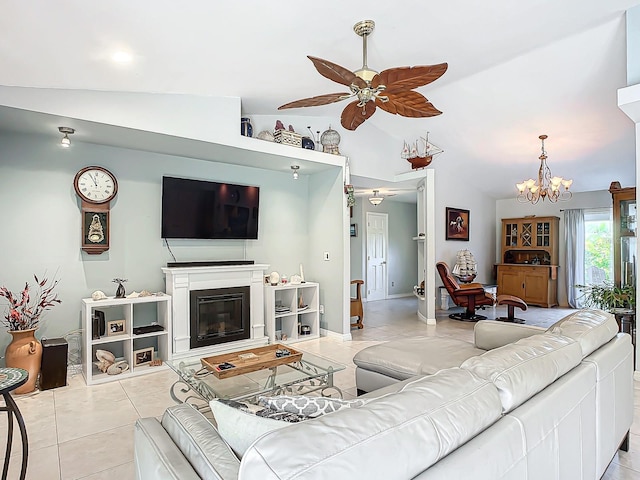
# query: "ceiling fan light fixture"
{"points": [[376, 199], [393, 89]]}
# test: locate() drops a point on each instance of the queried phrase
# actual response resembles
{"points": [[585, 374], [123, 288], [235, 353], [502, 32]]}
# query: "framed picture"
{"points": [[353, 231], [142, 356], [457, 226], [116, 327]]}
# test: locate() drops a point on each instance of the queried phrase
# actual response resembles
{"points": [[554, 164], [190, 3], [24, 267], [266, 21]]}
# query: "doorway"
{"points": [[377, 251]]}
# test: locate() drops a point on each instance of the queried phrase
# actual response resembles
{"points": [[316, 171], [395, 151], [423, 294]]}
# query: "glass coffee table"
{"points": [[310, 374]]}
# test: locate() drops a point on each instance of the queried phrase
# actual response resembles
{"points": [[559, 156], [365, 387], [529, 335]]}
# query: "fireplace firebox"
{"points": [[219, 315]]}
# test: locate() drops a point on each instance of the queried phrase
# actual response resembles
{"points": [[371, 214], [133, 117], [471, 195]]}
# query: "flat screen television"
{"points": [[210, 210]]}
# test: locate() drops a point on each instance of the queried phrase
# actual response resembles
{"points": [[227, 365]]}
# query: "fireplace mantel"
{"points": [[181, 280]]}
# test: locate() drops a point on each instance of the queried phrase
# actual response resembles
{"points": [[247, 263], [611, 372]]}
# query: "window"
{"points": [[598, 246]]}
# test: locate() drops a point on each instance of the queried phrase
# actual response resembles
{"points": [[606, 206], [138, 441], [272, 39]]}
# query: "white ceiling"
{"points": [[516, 69]]}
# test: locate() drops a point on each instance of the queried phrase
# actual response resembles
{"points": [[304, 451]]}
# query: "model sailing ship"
{"points": [[466, 267], [420, 158]]}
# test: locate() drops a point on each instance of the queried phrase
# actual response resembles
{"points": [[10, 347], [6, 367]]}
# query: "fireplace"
{"points": [[219, 315], [181, 280]]}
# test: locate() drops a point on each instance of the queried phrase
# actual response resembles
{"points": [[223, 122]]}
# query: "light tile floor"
{"points": [[80, 432]]}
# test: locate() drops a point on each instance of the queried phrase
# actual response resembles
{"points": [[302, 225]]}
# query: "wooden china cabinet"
{"points": [[528, 265], [624, 234]]}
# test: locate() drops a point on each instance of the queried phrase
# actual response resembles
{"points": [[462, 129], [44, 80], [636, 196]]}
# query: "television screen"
{"points": [[202, 209]]}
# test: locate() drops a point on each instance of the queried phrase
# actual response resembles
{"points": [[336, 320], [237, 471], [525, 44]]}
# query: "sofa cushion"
{"points": [[307, 406], [520, 370], [590, 328], [198, 441], [239, 425], [402, 359], [398, 435]]}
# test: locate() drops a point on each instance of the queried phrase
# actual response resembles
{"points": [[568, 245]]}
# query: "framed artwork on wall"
{"points": [[353, 231], [457, 226]]}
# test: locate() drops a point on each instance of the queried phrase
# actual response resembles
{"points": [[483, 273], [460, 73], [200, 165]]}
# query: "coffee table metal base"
{"points": [[309, 375]]}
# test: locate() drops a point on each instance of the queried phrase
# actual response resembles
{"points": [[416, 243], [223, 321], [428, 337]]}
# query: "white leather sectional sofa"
{"points": [[554, 404]]}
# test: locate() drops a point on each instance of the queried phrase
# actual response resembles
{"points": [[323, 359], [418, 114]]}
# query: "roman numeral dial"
{"points": [[95, 185]]}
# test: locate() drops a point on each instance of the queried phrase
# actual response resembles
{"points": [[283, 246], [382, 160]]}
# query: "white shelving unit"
{"points": [[136, 312], [289, 317]]}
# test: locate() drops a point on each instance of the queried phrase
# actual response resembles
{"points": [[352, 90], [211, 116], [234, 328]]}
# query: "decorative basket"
{"points": [[286, 137]]}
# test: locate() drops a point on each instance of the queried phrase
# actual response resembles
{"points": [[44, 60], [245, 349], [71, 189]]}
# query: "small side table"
{"points": [[10, 379], [626, 319]]}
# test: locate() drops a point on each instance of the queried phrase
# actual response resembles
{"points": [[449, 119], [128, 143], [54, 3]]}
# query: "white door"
{"points": [[377, 240]]}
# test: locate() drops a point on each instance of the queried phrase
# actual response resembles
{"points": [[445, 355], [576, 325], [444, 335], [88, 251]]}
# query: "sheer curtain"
{"points": [[574, 248]]}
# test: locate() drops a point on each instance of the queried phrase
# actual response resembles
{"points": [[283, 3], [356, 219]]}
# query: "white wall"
{"points": [[511, 208], [482, 218], [41, 227]]}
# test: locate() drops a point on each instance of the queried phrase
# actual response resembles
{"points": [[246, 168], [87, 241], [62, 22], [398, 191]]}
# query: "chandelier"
{"points": [[547, 187]]}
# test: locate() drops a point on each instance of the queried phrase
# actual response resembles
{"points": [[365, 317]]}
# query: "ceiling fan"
{"points": [[391, 89]]}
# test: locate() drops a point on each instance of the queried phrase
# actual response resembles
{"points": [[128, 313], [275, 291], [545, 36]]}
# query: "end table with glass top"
{"points": [[10, 379], [310, 374]]}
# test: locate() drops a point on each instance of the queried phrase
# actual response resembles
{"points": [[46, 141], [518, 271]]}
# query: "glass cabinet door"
{"points": [[627, 242], [627, 217], [511, 235], [628, 260], [543, 234]]}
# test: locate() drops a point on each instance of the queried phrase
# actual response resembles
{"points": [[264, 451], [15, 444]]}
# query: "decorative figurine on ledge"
{"points": [[120, 292]]}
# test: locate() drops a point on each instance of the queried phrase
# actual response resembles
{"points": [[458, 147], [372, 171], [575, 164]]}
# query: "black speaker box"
{"points": [[98, 325], [53, 373]]}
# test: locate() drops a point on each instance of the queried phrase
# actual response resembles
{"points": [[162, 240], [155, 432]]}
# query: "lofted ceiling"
{"points": [[516, 70]]}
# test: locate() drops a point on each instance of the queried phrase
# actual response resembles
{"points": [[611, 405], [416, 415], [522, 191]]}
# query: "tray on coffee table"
{"points": [[250, 360]]}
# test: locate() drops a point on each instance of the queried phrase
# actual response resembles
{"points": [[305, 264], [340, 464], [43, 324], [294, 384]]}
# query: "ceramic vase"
{"points": [[120, 292], [25, 352]]}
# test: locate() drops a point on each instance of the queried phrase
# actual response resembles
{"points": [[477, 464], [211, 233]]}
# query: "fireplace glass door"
{"points": [[219, 315]]}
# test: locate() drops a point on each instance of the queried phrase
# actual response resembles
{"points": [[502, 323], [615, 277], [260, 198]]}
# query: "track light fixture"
{"points": [[66, 131]]}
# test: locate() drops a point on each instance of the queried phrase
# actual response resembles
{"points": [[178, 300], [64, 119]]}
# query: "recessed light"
{"points": [[122, 57]]}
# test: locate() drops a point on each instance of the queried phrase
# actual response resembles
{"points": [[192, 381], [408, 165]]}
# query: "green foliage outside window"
{"points": [[598, 246]]}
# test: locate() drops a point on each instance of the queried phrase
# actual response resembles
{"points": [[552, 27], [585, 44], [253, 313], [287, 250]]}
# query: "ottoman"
{"points": [[390, 362]]}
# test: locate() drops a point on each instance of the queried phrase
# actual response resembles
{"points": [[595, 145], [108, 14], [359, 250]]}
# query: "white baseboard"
{"points": [[343, 337], [399, 295], [428, 321]]}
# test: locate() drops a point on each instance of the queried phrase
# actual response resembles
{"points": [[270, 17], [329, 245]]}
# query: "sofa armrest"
{"points": [[156, 457], [490, 334]]}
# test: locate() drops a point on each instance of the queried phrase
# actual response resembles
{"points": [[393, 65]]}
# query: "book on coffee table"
{"points": [[245, 361]]}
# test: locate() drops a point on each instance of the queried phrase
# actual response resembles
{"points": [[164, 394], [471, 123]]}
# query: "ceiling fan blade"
{"points": [[408, 104], [407, 78], [353, 116], [335, 72], [316, 101]]}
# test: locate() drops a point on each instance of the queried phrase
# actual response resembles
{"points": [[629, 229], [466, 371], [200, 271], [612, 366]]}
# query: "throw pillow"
{"points": [[310, 407], [240, 424]]}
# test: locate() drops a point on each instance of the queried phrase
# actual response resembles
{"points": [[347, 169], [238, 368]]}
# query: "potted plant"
{"points": [[608, 296], [23, 318]]}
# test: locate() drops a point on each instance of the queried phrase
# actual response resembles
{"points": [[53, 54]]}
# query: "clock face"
{"points": [[95, 184]]}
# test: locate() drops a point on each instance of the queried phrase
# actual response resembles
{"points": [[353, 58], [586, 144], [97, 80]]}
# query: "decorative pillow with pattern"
{"points": [[309, 407]]}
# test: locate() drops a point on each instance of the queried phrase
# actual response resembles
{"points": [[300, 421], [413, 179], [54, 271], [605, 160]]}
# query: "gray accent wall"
{"points": [[403, 254], [41, 229]]}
